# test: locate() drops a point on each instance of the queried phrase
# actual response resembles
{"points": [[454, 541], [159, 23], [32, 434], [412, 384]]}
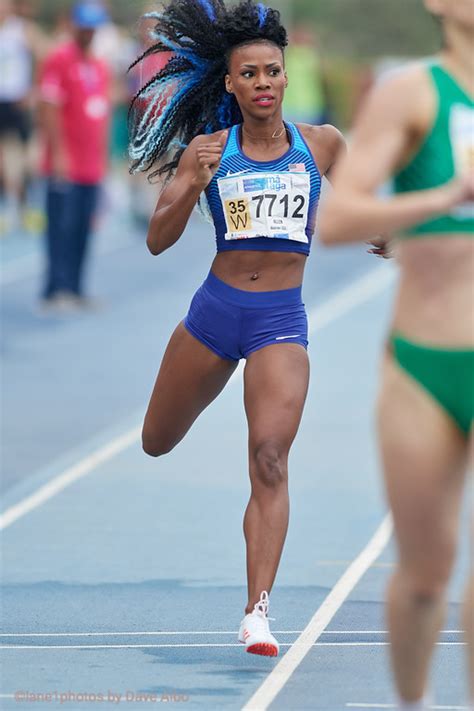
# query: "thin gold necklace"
{"points": [[275, 133]]}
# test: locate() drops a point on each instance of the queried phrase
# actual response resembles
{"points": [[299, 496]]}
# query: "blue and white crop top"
{"points": [[265, 205]]}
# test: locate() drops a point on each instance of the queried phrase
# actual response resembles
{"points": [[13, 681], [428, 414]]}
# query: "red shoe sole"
{"points": [[264, 649]]}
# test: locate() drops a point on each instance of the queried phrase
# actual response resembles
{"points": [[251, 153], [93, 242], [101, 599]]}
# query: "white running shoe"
{"points": [[255, 632]]}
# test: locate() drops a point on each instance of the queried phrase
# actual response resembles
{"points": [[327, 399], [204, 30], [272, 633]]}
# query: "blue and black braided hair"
{"points": [[188, 97]]}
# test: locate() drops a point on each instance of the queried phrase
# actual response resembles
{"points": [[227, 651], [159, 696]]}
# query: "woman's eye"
{"points": [[249, 74]]}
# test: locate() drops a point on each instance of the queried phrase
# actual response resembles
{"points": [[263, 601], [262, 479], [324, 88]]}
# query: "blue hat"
{"points": [[89, 14]]}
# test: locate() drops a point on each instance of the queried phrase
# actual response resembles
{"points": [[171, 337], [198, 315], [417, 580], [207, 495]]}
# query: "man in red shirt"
{"points": [[75, 107]]}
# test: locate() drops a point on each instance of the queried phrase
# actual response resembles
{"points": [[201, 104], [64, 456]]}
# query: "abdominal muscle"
{"points": [[260, 271], [435, 304]]}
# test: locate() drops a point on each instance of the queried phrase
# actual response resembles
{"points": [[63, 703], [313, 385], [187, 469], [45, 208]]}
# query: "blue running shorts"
{"points": [[234, 323]]}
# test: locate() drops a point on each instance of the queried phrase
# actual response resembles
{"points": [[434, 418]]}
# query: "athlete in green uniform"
{"points": [[418, 127]]}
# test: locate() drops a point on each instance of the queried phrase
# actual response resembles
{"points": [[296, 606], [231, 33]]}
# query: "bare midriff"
{"points": [[435, 301], [260, 271]]}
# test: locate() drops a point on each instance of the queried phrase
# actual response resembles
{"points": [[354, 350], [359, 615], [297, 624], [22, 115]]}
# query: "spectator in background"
{"points": [[75, 108], [305, 97], [22, 45]]}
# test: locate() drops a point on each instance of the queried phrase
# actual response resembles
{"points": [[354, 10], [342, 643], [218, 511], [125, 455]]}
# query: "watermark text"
{"points": [[108, 697]]}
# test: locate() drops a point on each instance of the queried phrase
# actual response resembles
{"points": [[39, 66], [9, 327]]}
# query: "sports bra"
{"points": [[265, 205], [447, 150]]}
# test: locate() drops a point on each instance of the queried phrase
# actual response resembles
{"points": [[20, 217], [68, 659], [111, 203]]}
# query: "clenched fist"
{"points": [[208, 159]]}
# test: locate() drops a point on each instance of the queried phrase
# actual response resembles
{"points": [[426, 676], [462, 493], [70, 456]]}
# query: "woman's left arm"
{"points": [[327, 146], [335, 150]]}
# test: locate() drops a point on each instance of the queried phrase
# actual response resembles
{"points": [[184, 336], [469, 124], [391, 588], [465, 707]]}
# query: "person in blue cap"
{"points": [[89, 14], [75, 109]]}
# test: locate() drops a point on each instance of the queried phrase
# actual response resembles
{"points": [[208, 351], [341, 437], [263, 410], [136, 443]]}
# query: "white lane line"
{"points": [[345, 563], [278, 677], [186, 633], [117, 646], [376, 644], [70, 475], [344, 301], [393, 706], [200, 645]]}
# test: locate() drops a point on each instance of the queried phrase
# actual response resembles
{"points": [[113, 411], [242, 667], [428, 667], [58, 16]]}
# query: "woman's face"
{"points": [[257, 78], [460, 12]]}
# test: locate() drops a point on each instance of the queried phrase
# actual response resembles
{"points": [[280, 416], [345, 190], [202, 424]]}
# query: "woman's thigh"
{"points": [[275, 386], [424, 457]]}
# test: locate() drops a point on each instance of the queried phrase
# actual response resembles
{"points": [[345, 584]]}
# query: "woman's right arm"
{"points": [[196, 168]]}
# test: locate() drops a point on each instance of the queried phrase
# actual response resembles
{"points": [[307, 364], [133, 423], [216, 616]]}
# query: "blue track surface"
{"points": [[141, 561]]}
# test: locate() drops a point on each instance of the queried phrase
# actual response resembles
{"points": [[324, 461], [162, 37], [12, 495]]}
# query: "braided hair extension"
{"points": [[187, 97]]}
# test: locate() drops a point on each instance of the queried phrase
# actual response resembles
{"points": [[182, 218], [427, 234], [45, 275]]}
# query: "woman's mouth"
{"points": [[264, 99]]}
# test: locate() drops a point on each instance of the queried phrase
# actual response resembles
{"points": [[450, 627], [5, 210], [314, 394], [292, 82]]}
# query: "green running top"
{"points": [[447, 151]]}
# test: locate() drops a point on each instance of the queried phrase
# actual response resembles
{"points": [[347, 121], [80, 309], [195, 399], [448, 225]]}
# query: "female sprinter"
{"points": [[221, 96], [418, 127]]}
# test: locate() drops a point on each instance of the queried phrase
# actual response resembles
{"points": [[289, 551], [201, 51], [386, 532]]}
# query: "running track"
{"points": [[124, 576]]}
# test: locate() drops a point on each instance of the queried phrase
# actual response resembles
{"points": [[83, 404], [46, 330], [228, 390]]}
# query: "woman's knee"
{"points": [[426, 563], [269, 464], [427, 583]]}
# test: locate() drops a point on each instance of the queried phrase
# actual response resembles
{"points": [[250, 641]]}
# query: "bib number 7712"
{"points": [[268, 201]]}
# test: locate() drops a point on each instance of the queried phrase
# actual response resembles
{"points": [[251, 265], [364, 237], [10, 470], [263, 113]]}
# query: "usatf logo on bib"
{"points": [[272, 182]]}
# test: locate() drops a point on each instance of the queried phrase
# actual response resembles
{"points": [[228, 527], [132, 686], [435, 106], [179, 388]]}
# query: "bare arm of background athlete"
{"points": [[395, 119]]}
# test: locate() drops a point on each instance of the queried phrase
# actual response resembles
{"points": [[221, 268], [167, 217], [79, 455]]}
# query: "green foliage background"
{"points": [[346, 28], [368, 28]]}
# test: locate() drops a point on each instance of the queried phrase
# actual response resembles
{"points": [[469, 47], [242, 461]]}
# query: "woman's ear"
{"points": [[228, 84]]}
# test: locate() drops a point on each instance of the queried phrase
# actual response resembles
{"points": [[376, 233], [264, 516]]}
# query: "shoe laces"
{"points": [[262, 606]]}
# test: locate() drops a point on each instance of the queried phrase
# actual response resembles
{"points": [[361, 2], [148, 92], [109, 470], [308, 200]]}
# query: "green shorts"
{"points": [[446, 374]]}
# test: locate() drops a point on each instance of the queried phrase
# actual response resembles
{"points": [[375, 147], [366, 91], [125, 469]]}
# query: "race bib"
{"points": [[273, 205], [461, 129]]}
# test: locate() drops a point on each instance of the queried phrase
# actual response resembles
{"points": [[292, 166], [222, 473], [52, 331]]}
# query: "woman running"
{"points": [[418, 126], [211, 121]]}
